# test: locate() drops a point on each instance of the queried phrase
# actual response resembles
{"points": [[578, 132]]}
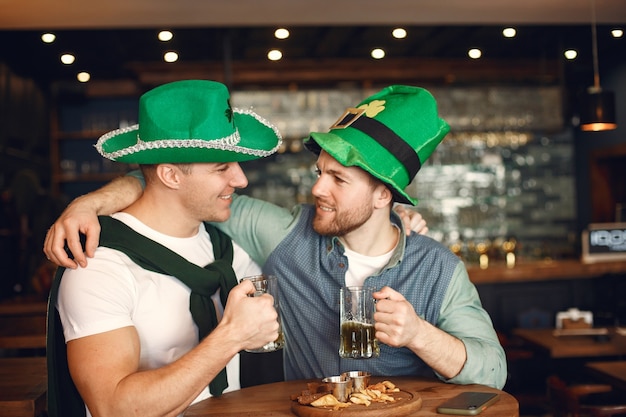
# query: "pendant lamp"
{"points": [[598, 106]]}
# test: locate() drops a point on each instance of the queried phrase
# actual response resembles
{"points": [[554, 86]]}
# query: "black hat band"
{"points": [[388, 139]]}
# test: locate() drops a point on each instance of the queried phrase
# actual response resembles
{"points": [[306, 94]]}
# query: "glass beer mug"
{"points": [[357, 307]]}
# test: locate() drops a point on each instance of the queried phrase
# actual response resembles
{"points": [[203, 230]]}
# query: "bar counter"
{"points": [[543, 271]]}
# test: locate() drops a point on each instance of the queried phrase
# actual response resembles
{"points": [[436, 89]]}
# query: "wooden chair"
{"points": [[23, 326], [526, 375], [578, 400]]}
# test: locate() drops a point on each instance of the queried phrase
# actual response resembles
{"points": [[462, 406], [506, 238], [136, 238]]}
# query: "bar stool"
{"points": [[577, 400]]}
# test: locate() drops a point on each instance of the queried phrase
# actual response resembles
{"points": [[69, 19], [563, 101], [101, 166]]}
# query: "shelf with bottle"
{"points": [[76, 125]]}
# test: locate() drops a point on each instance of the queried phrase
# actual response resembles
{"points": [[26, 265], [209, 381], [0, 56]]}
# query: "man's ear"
{"points": [[169, 175], [382, 196]]}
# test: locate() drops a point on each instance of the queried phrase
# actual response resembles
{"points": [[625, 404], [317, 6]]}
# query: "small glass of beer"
{"points": [[268, 284]]}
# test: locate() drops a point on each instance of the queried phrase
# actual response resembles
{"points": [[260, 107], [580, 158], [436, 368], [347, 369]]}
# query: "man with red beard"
{"points": [[429, 319]]}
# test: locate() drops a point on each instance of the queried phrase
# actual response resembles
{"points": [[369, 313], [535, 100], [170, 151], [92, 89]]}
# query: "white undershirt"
{"points": [[362, 266]]}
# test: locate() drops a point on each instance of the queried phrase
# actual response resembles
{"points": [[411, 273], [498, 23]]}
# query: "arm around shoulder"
{"points": [[258, 226], [80, 216]]}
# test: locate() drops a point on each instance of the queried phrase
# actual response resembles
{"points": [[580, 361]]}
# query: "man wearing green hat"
{"points": [[429, 318], [145, 329]]}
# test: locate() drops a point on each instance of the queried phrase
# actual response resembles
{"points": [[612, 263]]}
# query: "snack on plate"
{"points": [[329, 400], [314, 391], [375, 393], [360, 398], [318, 395], [385, 386]]}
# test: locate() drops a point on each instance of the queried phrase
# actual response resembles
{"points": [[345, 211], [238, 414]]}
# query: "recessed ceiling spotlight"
{"points": [[274, 55], [83, 76], [377, 53], [617, 33], [509, 32], [474, 53], [48, 37], [68, 59], [399, 33], [281, 33], [165, 35], [570, 54], [170, 56]]}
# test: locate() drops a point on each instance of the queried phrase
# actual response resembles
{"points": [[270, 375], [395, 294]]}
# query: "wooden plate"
{"points": [[405, 403]]}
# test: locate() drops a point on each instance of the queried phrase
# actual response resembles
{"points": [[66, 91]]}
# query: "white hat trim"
{"points": [[228, 143]]}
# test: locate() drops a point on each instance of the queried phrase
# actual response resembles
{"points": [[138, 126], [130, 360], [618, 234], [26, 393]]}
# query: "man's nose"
{"points": [[319, 188], [239, 179]]}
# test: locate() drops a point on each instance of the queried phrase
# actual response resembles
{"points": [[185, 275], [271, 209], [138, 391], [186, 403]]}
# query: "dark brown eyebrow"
{"points": [[345, 175]]}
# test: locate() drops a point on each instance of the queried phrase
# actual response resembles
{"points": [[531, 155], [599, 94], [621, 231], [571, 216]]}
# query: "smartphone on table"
{"points": [[469, 403]]}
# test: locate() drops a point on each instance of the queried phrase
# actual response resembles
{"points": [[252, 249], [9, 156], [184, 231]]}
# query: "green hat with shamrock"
{"points": [[187, 122], [390, 135]]}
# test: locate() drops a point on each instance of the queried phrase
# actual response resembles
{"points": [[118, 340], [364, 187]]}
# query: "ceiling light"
{"points": [[598, 106], [83, 77], [67, 59], [377, 53], [170, 56], [474, 53], [509, 32], [570, 54], [274, 55], [617, 33], [281, 33], [399, 33], [48, 37], [165, 35]]}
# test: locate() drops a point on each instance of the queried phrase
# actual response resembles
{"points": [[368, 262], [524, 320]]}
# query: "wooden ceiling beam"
{"points": [[329, 72]]}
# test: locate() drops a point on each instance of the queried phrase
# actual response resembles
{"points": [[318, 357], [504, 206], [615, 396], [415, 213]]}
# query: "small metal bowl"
{"points": [[360, 379], [340, 386]]}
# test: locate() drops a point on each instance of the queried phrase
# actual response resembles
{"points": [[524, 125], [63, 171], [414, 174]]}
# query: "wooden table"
{"points": [[22, 325], [611, 344], [611, 372], [23, 386], [274, 399]]}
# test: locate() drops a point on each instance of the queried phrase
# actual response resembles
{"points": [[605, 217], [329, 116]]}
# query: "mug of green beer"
{"points": [[268, 284], [357, 307]]}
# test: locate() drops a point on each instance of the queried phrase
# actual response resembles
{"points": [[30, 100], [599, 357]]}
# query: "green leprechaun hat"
{"points": [[187, 122], [390, 135]]}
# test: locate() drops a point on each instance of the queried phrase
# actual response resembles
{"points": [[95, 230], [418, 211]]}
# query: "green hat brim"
{"points": [[254, 138]]}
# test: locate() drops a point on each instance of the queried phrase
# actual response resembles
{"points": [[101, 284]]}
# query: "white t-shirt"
{"points": [[362, 266], [113, 292]]}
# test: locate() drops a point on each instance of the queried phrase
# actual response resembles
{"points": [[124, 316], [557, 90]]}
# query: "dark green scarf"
{"points": [[63, 397]]}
